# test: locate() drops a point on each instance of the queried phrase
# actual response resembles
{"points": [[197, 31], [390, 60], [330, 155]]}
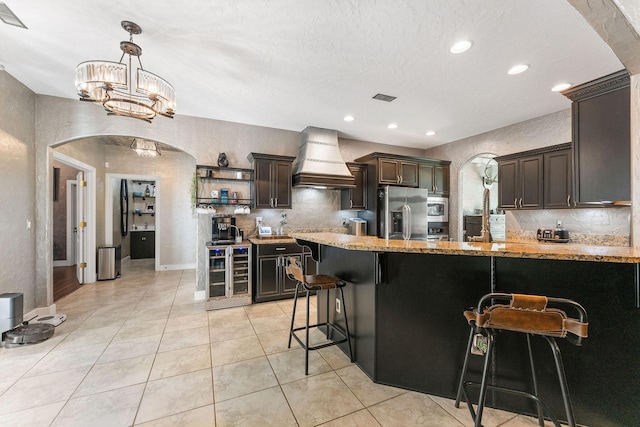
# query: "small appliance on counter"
{"points": [[223, 229], [558, 234], [357, 227], [264, 230]]}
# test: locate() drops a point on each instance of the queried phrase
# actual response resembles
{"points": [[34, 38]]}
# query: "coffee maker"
{"points": [[223, 229]]}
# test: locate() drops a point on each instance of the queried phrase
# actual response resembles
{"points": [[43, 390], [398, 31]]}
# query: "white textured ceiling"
{"points": [[290, 64]]}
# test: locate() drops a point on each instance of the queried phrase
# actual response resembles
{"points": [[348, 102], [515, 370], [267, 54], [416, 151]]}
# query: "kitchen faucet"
{"points": [[485, 234]]}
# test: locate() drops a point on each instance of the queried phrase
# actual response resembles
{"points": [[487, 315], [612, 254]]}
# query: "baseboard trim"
{"points": [[177, 267]]}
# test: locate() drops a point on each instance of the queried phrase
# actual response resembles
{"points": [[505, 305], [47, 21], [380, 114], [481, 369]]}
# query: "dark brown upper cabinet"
{"points": [[273, 180], [355, 198], [601, 140], [558, 185], [397, 172], [536, 179], [406, 171], [520, 182], [434, 176]]}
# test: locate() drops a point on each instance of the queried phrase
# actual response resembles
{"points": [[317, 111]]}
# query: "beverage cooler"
{"points": [[229, 276]]}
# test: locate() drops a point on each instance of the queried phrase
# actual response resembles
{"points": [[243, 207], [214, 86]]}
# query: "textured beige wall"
{"points": [[17, 189], [61, 121]]}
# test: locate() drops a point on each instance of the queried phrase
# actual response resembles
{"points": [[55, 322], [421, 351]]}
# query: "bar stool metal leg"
{"points": [[464, 368], [535, 383], [484, 384], [564, 387], [293, 315], [306, 347]]}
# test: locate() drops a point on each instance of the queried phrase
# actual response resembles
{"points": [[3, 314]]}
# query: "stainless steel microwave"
{"points": [[438, 209]]}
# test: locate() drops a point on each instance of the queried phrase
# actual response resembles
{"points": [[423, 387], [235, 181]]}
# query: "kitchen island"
{"points": [[405, 301]]}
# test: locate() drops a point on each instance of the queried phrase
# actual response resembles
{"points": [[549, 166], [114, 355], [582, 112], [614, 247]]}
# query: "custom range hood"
{"points": [[319, 163]]}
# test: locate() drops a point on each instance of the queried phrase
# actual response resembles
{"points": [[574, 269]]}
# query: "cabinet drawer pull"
{"points": [[281, 249]]}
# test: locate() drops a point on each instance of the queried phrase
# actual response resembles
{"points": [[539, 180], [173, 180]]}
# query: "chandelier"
{"points": [[144, 147], [113, 85]]}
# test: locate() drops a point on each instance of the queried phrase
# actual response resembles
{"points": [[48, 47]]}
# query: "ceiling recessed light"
{"points": [[461, 46], [349, 118], [561, 86], [517, 69], [430, 132], [392, 126]]}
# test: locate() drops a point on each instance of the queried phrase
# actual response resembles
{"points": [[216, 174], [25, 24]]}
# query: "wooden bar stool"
{"points": [[316, 282], [531, 315]]}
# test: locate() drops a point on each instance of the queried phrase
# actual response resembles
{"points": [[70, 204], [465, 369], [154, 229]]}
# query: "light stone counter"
{"points": [[554, 251], [276, 240]]}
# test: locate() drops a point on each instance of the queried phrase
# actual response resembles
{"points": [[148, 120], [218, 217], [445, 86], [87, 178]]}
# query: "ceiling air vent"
{"points": [[381, 97], [8, 17]]}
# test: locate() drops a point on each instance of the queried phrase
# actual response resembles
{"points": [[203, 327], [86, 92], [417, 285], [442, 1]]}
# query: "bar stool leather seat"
{"points": [[310, 283], [531, 315]]}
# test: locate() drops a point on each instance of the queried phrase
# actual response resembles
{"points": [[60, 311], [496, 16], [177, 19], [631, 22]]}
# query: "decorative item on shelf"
{"points": [[145, 147], [214, 196], [147, 191], [224, 196], [142, 95], [223, 162], [234, 198], [136, 194]]}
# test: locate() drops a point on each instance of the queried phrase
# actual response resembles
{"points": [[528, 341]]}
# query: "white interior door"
{"points": [[72, 224], [81, 224]]}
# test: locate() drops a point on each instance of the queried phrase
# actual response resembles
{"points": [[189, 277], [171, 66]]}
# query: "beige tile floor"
{"points": [[139, 351]]}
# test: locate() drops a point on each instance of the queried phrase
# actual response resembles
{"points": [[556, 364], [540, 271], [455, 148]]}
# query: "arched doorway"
{"points": [[173, 221], [478, 173]]}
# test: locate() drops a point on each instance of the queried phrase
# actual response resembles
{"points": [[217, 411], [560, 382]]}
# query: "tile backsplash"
{"points": [[599, 226]]}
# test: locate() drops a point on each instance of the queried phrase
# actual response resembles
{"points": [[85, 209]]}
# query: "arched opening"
{"points": [[165, 214], [478, 173]]}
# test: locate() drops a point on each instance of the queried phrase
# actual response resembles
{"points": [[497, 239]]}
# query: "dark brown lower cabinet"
{"points": [[270, 278], [143, 244]]}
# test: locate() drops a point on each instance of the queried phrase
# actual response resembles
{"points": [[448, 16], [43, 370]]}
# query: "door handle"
{"points": [[271, 202], [350, 204], [276, 202], [569, 200], [520, 202], [515, 203], [379, 270]]}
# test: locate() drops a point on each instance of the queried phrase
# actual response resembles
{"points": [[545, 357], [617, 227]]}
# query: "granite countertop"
{"points": [[273, 240], [557, 251]]}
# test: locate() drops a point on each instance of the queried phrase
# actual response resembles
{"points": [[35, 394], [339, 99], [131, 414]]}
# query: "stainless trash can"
{"points": [[109, 262]]}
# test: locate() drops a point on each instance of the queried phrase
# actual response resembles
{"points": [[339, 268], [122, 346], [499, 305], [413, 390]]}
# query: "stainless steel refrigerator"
{"points": [[402, 213]]}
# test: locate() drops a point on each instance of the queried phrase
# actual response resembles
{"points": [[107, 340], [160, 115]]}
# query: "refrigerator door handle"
{"points": [[406, 222], [387, 214]]}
